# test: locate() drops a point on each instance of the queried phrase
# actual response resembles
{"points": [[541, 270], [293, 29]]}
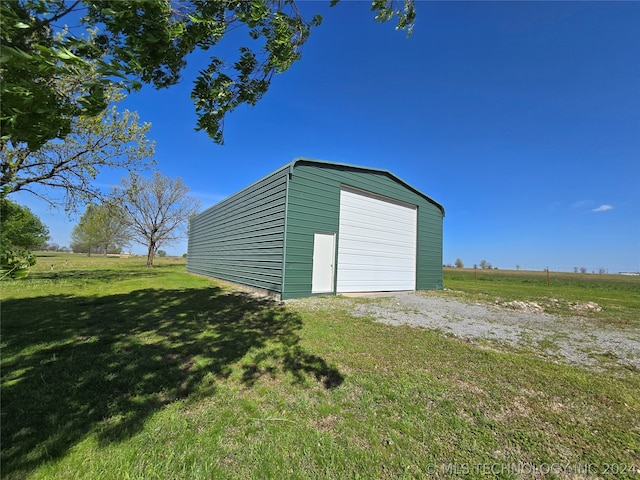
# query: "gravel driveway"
{"points": [[572, 340]]}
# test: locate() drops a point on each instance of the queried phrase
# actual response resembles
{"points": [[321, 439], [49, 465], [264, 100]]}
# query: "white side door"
{"points": [[323, 262]]}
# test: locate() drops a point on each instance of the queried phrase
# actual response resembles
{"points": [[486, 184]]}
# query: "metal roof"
{"points": [[292, 165]]}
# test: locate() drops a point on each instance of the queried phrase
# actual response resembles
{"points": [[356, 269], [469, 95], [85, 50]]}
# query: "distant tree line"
{"points": [[485, 265], [52, 247]]}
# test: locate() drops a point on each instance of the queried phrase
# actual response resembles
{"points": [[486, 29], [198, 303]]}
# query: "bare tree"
{"points": [[158, 210]]}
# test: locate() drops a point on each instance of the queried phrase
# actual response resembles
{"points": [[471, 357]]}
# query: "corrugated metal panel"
{"points": [[314, 204], [241, 239]]}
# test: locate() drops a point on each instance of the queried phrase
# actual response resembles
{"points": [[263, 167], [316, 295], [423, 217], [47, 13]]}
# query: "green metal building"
{"points": [[315, 227]]}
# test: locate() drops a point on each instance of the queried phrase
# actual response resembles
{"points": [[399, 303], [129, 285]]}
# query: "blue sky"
{"points": [[521, 118]]}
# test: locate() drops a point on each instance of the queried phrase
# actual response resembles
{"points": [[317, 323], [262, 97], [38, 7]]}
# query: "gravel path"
{"points": [[571, 340]]}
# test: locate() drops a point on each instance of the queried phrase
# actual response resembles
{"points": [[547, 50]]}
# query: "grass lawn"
{"points": [[617, 295], [113, 370]]}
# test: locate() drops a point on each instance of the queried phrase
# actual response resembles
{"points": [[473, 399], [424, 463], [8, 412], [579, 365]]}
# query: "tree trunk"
{"points": [[151, 250]]}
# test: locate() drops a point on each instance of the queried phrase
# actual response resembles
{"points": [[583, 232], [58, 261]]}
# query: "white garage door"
{"points": [[376, 243]]}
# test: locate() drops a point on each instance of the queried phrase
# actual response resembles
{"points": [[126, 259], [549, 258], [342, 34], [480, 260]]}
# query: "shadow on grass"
{"points": [[101, 275], [79, 365]]}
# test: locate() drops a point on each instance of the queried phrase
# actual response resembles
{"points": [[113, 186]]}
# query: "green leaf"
{"points": [[22, 272]]}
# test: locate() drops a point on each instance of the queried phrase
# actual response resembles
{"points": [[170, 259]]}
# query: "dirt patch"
{"points": [[572, 340]]}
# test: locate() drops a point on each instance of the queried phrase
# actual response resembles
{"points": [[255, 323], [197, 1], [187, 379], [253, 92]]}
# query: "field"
{"points": [[617, 295], [112, 370]]}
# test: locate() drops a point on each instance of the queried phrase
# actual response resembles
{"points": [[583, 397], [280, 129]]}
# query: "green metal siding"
{"points": [[241, 239], [262, 236], [314, 206]]}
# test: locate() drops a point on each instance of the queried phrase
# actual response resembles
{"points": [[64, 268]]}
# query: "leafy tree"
{"points": [[82, 234], [158, 210], [145, 41], [484, 265], [20, 231], [459, 263], [34, 110], [19, 227], [102, 228], [162, 253], [108, 140]]}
